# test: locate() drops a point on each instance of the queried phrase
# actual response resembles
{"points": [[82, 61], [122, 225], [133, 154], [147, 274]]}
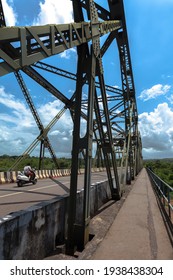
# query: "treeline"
{"points": [[163, 168], [6, 162]]}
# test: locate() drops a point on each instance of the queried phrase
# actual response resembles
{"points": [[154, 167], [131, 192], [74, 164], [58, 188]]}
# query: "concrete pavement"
{"points": [[138, 231], [129, 229]]}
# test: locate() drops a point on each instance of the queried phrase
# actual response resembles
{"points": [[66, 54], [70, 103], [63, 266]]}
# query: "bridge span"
{"points": [[13, 198], [135, 231], [130, 228], [110, 134]]}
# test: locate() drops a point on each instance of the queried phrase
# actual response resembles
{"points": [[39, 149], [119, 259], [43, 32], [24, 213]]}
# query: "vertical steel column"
{"points": [[106, 139], [127, 101], [78, 227], [2, 17], [117, 11]]}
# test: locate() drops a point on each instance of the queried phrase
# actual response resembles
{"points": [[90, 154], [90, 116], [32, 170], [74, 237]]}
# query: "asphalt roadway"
{"points": [[13, 198], [134, 231]]}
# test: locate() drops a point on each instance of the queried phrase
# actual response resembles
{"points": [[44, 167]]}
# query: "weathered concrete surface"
{"points": [[134, 231], [34, 233], [99, 226], [138, 232]]}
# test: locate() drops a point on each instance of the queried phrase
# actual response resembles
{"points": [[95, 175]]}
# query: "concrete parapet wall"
{"points": [[32, 233], [10, 176], [35, 232]]}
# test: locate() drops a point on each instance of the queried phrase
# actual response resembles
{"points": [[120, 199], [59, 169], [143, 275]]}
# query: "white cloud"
{"points": [[67, 54], [49, 110], [10, 15], [157, 132], [170, 98], [154, 92], [20, 114], [61, 133], [18, 129], [54, 12]]}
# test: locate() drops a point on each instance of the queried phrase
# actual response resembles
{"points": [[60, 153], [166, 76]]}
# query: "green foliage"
{"points": [[163, 168], [6, 163]]}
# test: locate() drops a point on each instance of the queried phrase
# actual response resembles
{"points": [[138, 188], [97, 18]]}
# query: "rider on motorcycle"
{"points": [[29, 172]]}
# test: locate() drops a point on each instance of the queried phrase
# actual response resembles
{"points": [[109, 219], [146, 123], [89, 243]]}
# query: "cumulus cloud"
{"points": [[157, 132], [67, 54], [170, 98], [19, 113], [54, 12], [18, 129], [154, 92], [10, 15], [61, 133]]}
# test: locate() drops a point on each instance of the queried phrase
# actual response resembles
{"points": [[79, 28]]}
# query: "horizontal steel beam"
{"points": [[23, 46], [72, 76]]}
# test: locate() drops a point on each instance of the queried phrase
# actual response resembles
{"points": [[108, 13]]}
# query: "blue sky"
{"points": [[150, 33]]}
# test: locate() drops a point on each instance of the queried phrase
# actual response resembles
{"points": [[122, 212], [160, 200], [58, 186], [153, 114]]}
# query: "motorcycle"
{"points": [[22, 179]]}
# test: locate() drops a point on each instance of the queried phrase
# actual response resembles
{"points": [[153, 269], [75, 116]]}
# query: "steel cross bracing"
{"points": [[45, 143], [132, 140], [110, 113], [117, 96], [70, 75], [34, 43], [2, 18], [43, 138]]}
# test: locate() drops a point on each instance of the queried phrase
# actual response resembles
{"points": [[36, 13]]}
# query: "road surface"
{"points": [[13, 198]]}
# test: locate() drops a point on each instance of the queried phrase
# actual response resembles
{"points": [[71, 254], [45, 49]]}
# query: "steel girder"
{"points": [[132, 137], [89, 64], [116, 98], [45, 143], [2, 18], [22, 46], [111, 120], [43, 138], [72, 76]]}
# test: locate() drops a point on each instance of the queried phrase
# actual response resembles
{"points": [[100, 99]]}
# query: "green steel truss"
{"points": [[110, 113]]}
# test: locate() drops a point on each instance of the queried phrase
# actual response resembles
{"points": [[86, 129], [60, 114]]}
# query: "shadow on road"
{"points": [[60, 184]]}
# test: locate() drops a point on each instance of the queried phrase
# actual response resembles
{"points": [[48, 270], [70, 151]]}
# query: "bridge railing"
{"points": [[164, 194]]}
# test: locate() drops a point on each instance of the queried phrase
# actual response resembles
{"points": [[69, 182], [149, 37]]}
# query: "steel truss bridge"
{"points": [[110, 113]]}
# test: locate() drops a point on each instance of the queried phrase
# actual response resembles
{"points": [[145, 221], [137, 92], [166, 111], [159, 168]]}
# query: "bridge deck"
{"points": [[138, 231], [130, 229]]}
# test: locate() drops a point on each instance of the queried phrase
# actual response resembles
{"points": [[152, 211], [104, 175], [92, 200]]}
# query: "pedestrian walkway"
{"points": [[129, 229], [138, 231]]}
